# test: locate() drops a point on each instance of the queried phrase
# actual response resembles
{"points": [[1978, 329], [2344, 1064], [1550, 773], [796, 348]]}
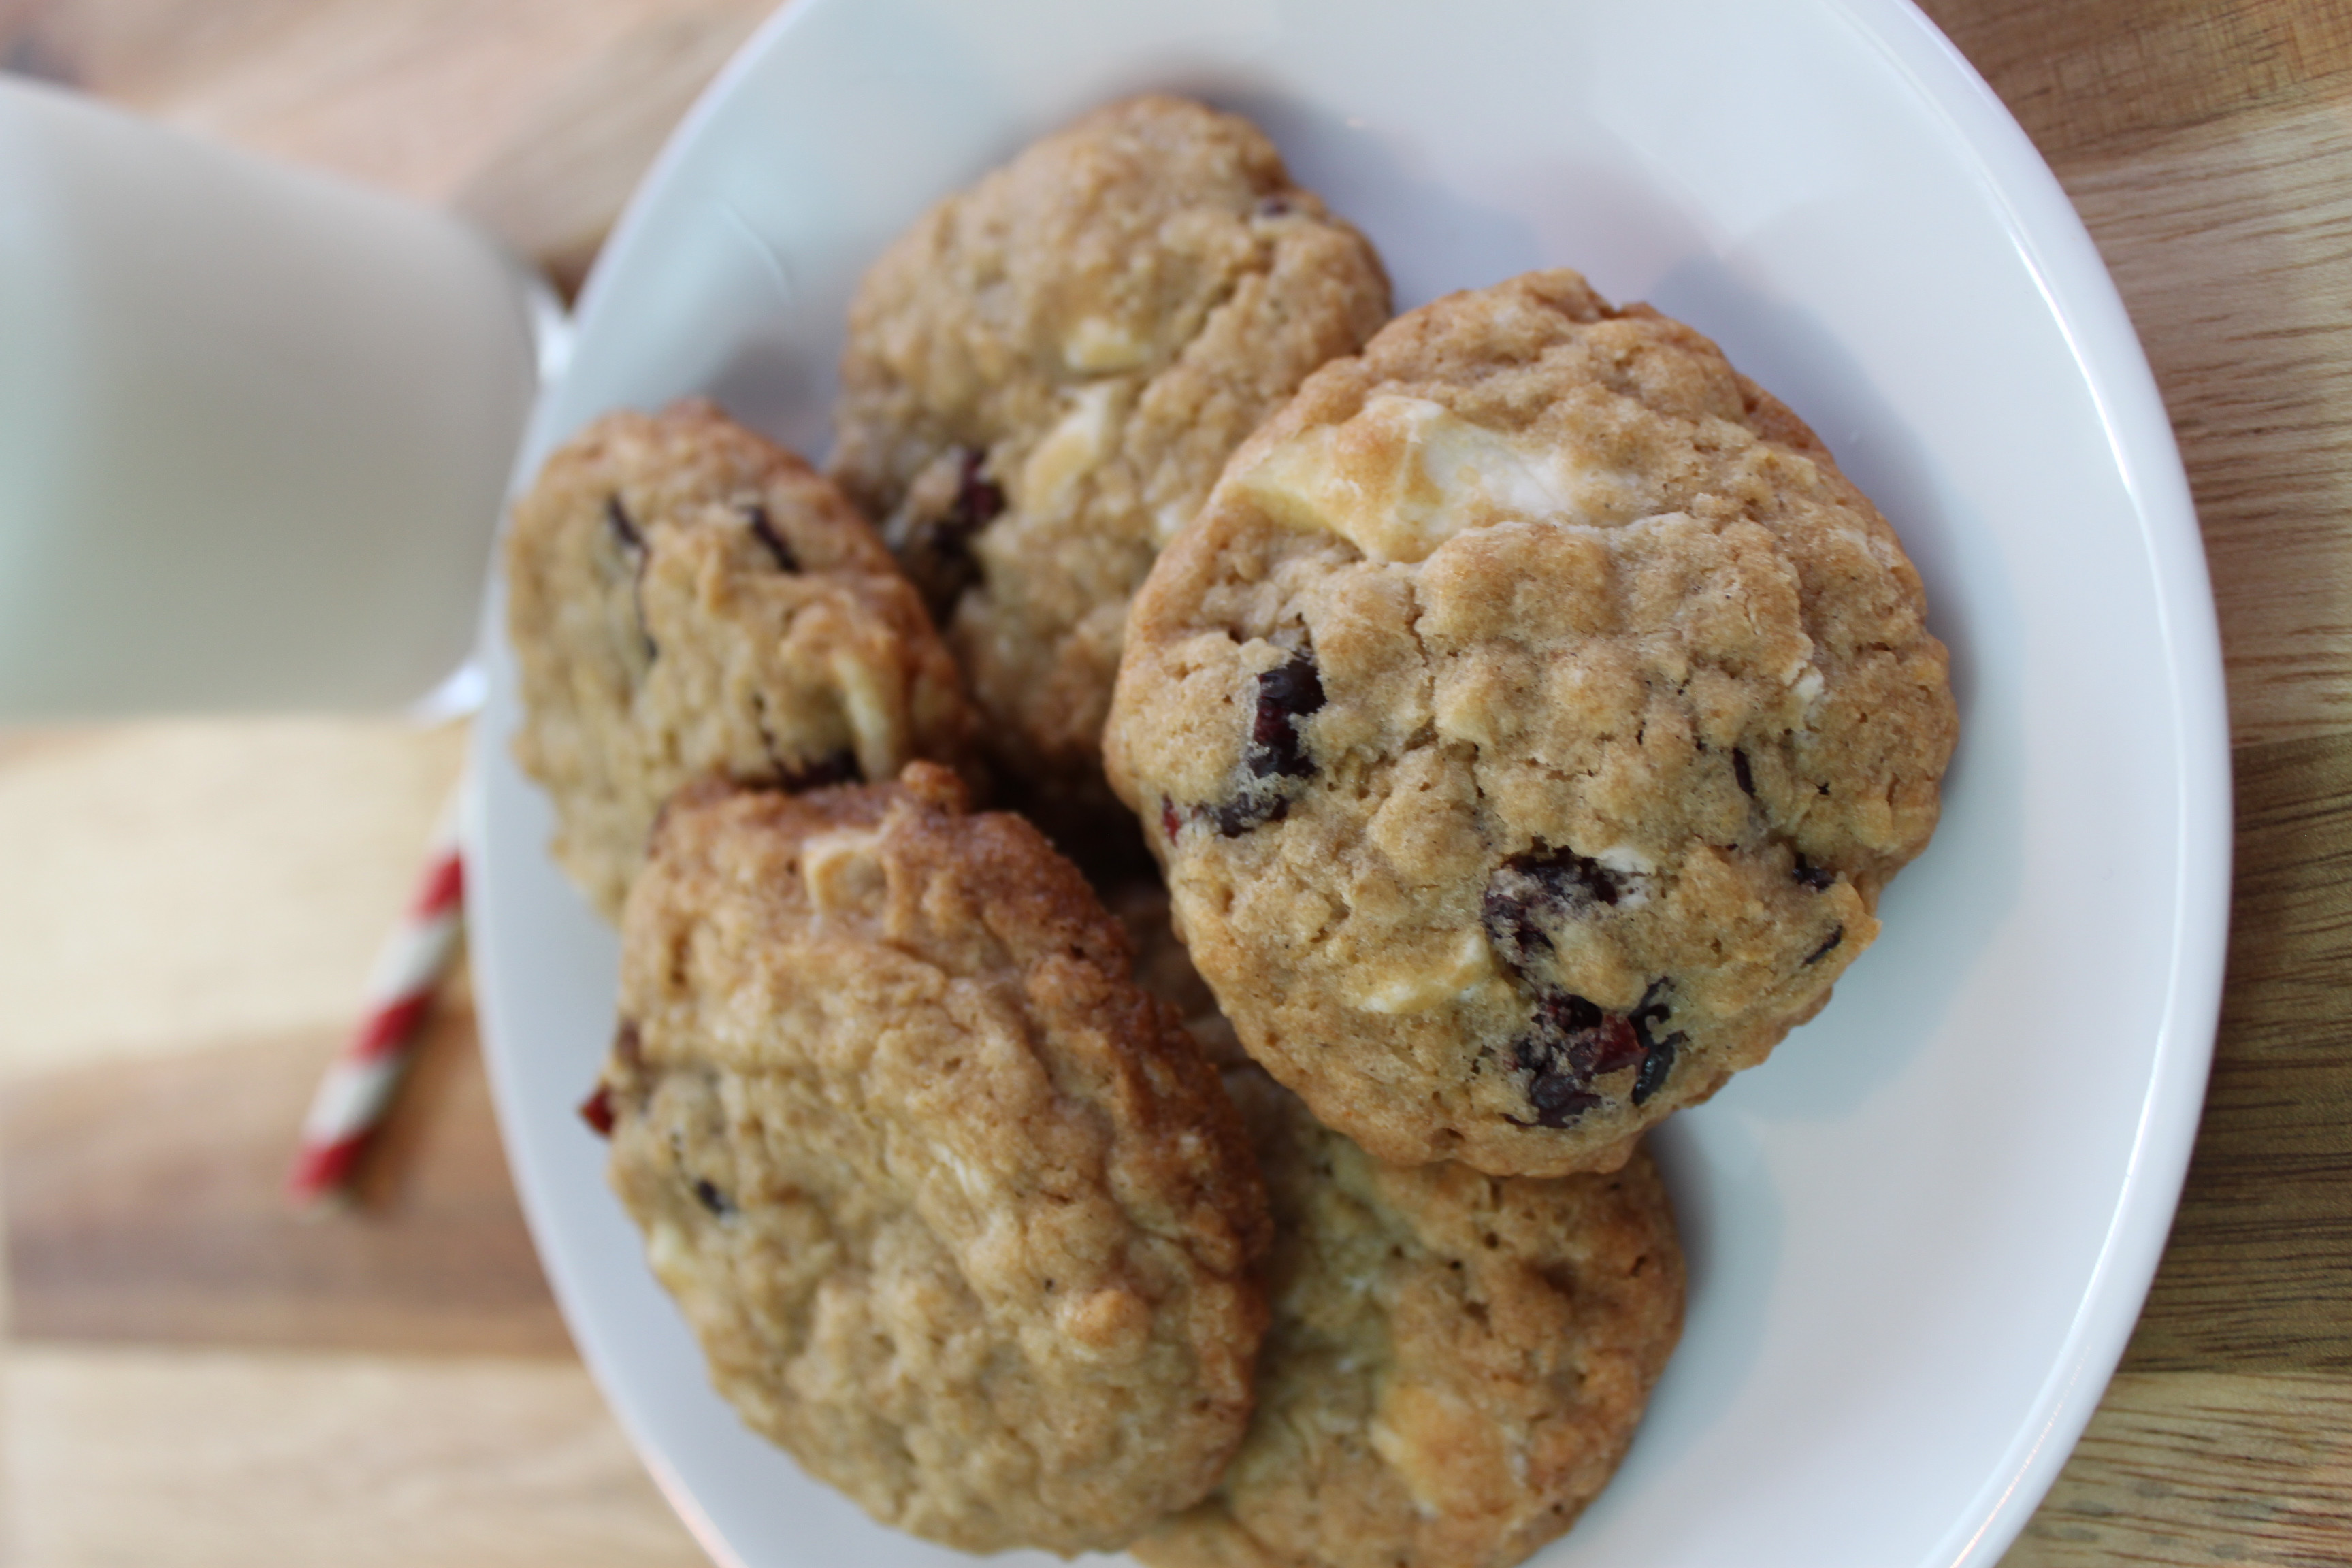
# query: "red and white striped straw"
{"points": [[354, 1097]]}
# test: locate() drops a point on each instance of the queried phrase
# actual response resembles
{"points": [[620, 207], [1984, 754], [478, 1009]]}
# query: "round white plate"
{"points": [[1921, 1235]]}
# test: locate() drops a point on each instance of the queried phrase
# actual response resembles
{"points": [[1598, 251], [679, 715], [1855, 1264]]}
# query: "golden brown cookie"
{"points": [[960, 1217], [687, 599], [1528, 727], [1457, 1363], [1045, 376]]}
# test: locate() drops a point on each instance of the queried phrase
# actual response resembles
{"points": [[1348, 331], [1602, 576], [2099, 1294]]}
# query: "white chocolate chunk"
{"points": [[1466, 964], [1453, 1459], [870, 703], [1096, 347], [1069, 450], [843, 870], [670, 1255], [1626, 859], [1405, 475]]}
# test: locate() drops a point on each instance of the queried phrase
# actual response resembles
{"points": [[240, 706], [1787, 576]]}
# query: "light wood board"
{"points": [[186, 911]]}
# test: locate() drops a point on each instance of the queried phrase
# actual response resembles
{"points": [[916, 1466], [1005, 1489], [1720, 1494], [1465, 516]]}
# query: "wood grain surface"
{"points": [[193, 1377]]}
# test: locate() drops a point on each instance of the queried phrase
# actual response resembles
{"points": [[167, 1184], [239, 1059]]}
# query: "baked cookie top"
{"points": [[1528, 727], [960, 1217], [1456, 1362], [1046, 374], [687, 599]]}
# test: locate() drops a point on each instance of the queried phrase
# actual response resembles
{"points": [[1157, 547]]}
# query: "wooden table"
{"points": [[187, 910]]}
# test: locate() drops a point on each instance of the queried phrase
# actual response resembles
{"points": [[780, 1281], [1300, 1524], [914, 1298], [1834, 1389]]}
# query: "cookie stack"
{"points": [[1521, 714]]}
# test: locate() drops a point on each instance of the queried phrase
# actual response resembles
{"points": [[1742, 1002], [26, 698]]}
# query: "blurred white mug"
{"points": [[255, 423]]}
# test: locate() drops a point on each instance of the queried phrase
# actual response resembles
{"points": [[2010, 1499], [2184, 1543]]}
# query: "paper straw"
{"points": [[358, 1089]]}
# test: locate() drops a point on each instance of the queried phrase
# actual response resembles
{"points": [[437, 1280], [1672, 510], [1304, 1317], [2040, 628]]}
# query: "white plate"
{"points": [[1921, 1235]]}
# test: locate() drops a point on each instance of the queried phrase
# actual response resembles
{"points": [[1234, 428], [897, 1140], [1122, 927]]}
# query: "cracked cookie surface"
{"points": [[1456, 1362], [1527, 728], [959, 1216], [687, 599], [1045, 376]]}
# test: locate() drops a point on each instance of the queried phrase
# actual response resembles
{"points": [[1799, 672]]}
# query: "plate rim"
{"points": [[2080, 290], [2062, 260]]}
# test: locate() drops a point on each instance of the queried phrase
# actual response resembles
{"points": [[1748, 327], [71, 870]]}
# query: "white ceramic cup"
{"points": [[255, 423]]}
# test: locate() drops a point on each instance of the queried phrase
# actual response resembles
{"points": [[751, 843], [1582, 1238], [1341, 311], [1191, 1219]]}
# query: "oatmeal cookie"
{"points": [[960, 1217], [1528, 727], [1045, 376], [687, 598], [1457, 1363]]}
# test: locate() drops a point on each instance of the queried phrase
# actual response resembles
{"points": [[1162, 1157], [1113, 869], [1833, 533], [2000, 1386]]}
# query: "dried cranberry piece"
{"points": [[1819, 879], [1657, 1050], [1171, 822], [763, 529], [623, 528], [1273, 206], [597, 1110], [979, 499], [711, 1198], [1286, 694], [1826, 948], [1542, 887], [1615, 1046], [1595, 1042], [633, 544], [1741, 770], [1558, 1101], [1656, 1066], [1254, 810], [1572, 1041], [1511, 930], [937, 551]]}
